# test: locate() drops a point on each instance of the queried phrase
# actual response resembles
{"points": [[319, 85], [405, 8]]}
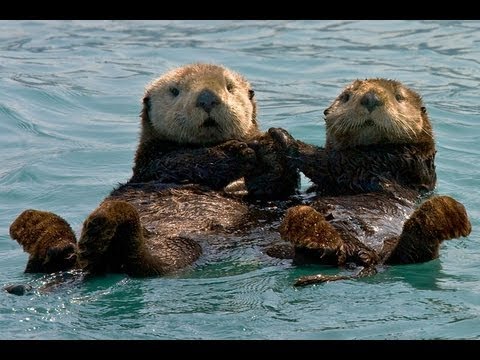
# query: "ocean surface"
{"points": [[70, 96]]}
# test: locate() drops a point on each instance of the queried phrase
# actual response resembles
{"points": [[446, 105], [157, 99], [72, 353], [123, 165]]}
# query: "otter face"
{"points": [[200, 104], [377, 111]]}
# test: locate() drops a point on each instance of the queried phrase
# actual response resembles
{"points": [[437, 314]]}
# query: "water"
{"points": [[69, 104]]}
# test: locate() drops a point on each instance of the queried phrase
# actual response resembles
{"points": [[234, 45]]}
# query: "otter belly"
{"points": [[168, 210], [371, 218], [176, 219]]}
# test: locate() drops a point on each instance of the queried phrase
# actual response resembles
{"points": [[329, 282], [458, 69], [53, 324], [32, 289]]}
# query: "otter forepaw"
{"points": [[236, 147], [241, 151], [274, 176], [282, 138]]}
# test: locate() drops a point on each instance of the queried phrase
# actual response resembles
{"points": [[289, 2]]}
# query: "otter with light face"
{"points": [[374, 180], [199, 135]]}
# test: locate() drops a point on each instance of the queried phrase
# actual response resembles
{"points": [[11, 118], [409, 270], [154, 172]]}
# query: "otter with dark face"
{"points": [[199, 134], [371, 177]]}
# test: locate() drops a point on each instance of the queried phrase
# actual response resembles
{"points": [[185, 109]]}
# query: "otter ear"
{"points": [[251, 94], [146, 108], [146, 102], [423, 109]]}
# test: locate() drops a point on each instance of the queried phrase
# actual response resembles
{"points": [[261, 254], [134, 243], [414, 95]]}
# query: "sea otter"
{"points": [[199, 135], [374, 183]]}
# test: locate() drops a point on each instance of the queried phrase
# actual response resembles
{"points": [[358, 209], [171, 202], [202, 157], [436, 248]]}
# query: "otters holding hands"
{"points": [[202, 161]]}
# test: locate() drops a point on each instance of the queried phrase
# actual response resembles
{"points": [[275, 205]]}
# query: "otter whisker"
{"points": [[403, 127], [407, 124]]}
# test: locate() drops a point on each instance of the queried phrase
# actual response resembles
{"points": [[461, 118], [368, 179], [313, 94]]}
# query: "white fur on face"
{"points": [[175, 115], [397, 120]]}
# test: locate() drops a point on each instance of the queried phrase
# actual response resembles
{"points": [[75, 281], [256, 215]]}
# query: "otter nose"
{"points": [[207, 100], [370, 100]]}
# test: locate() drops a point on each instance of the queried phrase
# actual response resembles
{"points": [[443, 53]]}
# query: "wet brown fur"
{"points": [[48, 239], [374, 180], [199, 134]]}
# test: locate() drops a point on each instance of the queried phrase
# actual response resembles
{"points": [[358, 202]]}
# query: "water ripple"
{"points": [[69, 122]]}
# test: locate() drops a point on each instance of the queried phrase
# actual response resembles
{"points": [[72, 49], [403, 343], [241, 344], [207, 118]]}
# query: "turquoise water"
{"points": [[69, 104]]}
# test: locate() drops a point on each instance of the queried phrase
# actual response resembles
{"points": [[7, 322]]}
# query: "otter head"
{"points": [[199, 104], [377, 111]]}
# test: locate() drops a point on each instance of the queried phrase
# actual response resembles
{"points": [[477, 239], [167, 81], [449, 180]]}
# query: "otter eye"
{"points": [[174, 91], [344, 97], [399, 97], [230, 87], [251, 94], [423, 109]]}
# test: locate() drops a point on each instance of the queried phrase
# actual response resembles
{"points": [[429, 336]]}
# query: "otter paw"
{"points": [[242, 153], [314, 238], [282, 138], [274, 176], [236, 147]]}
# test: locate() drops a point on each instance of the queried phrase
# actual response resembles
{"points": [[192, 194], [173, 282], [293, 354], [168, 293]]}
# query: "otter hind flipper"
{"points": [[47, 238], [113, 240], [313, 237], [110, 235], [435, 220], [317, 240]]}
